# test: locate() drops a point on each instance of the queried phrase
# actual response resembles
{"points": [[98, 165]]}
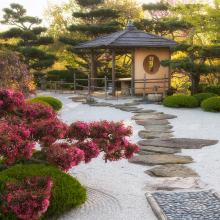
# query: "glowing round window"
{"points": [[151, 64]]}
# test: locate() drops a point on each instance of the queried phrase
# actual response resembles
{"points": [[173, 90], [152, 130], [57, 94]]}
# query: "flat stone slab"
{"points": [[172, 170], [159, 128], [155, 116], [162, 150], [191, 205], [144, 111], [152, 122], [161, 159], [183, 143], [152, 135], [101, 104]]}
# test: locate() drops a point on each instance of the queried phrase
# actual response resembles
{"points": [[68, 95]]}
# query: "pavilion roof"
{"points": [[128, 38]]}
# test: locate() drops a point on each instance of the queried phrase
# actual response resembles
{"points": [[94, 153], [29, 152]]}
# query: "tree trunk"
{"points": [[195, 83]]}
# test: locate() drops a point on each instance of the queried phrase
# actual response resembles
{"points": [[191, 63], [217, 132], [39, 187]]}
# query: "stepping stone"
{"points": [[145, 152], [152, 122], [129, 109], [158, 127], [144, 111], [152, 135], [175, 183], [101, 104], [160, 159], [162, 150], [185, 205], [79, 99], [183, 143], [155, 116], [172, 170]]}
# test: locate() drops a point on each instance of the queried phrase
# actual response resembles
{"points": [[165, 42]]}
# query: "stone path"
{"points": [[159, 148], [193, 205]]}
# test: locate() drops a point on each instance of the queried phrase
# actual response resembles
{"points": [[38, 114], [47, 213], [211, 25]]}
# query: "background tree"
{"points": [[29, 37]]}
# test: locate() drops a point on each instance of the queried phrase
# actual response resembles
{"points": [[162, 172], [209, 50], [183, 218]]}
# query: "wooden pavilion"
{"points": [[147, 50]]}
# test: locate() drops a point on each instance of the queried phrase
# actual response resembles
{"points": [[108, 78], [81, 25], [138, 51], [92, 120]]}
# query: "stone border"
{"points": [[155, 207]]}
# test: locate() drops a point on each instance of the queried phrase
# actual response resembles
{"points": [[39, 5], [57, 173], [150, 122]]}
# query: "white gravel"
{"points": [[124, 181]]}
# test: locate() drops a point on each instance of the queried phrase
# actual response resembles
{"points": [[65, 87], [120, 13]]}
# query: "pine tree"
{"points": [[29, 37], [92, 20]]}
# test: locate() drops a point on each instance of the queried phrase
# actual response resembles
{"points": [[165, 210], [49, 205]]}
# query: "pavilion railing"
{"points": [[88, 86]]}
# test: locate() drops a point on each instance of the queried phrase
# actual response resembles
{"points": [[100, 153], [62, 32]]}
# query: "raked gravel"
{"points": [[125, 182]]}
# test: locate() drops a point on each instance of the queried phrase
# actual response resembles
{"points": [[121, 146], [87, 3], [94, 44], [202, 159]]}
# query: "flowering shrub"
{"points": [[64, 155], [30, 123], [10, 101], [23, 124], [28, 199], [15, 142], [48, 131]]}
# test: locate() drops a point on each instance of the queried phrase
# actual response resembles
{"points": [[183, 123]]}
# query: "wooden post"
{"points": [[74, 85], [93, 70], [106, 87], [89, 86], [145, 82], [133, 72], [113, 73]]}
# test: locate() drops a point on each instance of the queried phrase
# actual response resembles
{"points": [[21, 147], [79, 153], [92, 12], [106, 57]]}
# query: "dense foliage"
{"points": [[181, 101], [14, 73], [27, 199], [202, 96], [66, 194], [211, 104], [55, 103], [30, 36]]}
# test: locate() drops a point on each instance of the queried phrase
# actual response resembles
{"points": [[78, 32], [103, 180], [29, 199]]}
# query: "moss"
{"points": [[55, 103], [67, 192], [203, 96], [211, 104], [181, 101]]}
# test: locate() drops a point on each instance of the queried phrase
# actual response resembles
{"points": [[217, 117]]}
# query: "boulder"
{"points": [[161, 159], [171, 170]]}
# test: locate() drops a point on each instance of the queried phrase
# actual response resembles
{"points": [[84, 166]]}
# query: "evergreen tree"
{"points": [[29, 37], [92, 20], [188, 24]]}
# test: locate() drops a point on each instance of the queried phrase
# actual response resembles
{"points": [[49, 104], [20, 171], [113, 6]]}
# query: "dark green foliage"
{"points": [[211, 104], [159, 6], [29, 37], [55, 103], [88, 3], [67, 192], [203, 96], [181, 101], [210, 88]]}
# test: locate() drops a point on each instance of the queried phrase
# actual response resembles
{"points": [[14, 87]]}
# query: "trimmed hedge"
{"points": [[211, 104], [181, 101], [203, 96], [67, 192], [55, 103]]}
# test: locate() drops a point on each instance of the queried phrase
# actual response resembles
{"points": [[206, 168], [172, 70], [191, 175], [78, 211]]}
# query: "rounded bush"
{"points": [[203, 96], [55, 103], [211, 105], [67, 192], [181, 101]]}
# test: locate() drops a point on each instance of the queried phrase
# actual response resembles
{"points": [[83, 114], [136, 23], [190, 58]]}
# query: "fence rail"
{"points": [[89, 85]]}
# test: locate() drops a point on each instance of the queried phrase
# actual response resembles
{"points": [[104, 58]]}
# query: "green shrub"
{"points": [[210, 88], [55, 103], [180, 101], [211, 104], [67, 192], [202, 96]]}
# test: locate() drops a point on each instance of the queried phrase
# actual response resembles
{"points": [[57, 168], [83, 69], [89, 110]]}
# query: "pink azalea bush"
{"points": [[28, 199], [23, 125]]}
